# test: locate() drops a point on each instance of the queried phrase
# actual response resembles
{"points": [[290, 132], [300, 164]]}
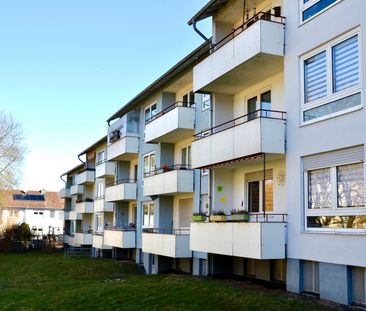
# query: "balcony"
{"points": [[123, 149], [250, 54], [72, 215], [120, 237], [262, 131], [264, 239], [122, 190], [83, 238], [69, 240], [100, 205], [98, 241], [169, 180], [76, 189], [105, 169], [166, 242], [171, 125], [84, 207], [65, 193], [86, 177]]}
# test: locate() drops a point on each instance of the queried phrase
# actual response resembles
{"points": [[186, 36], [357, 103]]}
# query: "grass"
{"points": [[38, 281]]}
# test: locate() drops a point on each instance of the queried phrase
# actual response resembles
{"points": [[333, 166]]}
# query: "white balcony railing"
{"points": [[169, 180], [98, 241], [86, 177], [83, 238], [261, 131], [76, 189], [122, 190], [120, 237], [248, 55], [166, 242], [257, 240], [65, 193], [124, 149], [100, 205], [72, 215], [105, 169], [84, 207], [171, 125]]}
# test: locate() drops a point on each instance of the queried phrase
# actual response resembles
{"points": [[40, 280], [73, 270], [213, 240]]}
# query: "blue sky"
{"points": [[67, 65]]}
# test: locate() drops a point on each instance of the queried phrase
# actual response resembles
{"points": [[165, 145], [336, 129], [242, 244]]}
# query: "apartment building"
{"points": [[41, 210], [257, 134]]}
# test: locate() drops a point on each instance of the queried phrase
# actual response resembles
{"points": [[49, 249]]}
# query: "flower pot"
{"points": [[198, 218], [240, 217], [218, 218]]}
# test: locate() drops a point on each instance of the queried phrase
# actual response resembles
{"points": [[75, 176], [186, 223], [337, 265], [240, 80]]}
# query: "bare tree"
{"points": [[12, 150]]}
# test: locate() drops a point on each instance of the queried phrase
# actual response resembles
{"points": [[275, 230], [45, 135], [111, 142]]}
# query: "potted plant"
{"points": [[239, 215], [198, 217], [166, 168], [218, 216]]}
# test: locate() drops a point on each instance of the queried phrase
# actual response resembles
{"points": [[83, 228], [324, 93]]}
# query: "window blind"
{"points": [[315, 77], [345, 64]]}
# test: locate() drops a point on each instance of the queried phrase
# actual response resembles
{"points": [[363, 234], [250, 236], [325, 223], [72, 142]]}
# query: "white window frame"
{"points": [[203, 107], [261, 203], [188, 152], [150, 166], [310, 3], [334, 210], [258, 95], [150, 110], [101, 157], [99, 227], [100, 190], [150, 217], [331, 97]]}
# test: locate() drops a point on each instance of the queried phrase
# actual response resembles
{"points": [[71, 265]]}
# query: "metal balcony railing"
{"points": [[182, 231], [119, 228], [260, 113], [170, 108], [121, 181], [168, 168]]}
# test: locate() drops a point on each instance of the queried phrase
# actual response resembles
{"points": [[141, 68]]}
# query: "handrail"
{"points": [[259, 16], [121, 181], [170, 108], [86, 169], [182, 231], [85, 200], [168, 168], [260, 113], [263, 217], [119, 228]]}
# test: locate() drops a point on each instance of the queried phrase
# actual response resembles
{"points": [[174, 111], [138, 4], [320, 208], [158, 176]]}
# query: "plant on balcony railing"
{"points": [[218, 216], [114, 136], [199, 217], [168, 168], [239, 215]]}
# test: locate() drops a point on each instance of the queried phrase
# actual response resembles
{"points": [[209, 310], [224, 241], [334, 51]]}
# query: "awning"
{"points": [[234, 161]]}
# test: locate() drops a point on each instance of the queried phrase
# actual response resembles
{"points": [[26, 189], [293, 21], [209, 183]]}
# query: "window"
{"points": [[101, 157], [186, 158], [188, 99], [263, 104], [331, 79], [99, 223], [335, 195], [149, 164], [100, 190], [148, 214], [73, 226], [255, 191], [310, 8], [150, 111], [206, 101], [52, 214]]}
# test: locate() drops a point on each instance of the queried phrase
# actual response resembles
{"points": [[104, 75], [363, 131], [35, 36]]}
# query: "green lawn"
{"points": [[37, 281]]}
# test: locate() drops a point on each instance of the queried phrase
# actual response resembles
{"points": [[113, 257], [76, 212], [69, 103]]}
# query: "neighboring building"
{"points": [[266, 119], [41, 210]]}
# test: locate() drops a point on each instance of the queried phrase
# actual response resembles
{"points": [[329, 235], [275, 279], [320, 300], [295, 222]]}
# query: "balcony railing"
{"points": [[260, 218], [86, 200], [170, 108], [168, 168], [183, 231], [260, 113], [120, 228], [259, 16], [122, 181]]}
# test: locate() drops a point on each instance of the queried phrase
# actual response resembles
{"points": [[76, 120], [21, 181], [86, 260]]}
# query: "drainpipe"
{"points": [[201, 34], [61, 177]]}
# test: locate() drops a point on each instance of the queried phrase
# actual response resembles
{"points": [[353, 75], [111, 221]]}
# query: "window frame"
{"points": [[187, 150], [331, 95], [207, 107], [304, 6], [150, 216], [148, 155], [150, 111], [334, 210]]}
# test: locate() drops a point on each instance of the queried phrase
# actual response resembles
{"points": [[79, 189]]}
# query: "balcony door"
{"points": [[261, 101], [255, 191], [185, 210], [188, 99]]}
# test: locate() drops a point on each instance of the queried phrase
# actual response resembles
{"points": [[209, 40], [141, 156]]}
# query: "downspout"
{"points": [[201, 34], [63, 179]]}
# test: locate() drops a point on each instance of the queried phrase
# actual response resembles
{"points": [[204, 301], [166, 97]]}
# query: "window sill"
{"points": [[334, 232]]}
